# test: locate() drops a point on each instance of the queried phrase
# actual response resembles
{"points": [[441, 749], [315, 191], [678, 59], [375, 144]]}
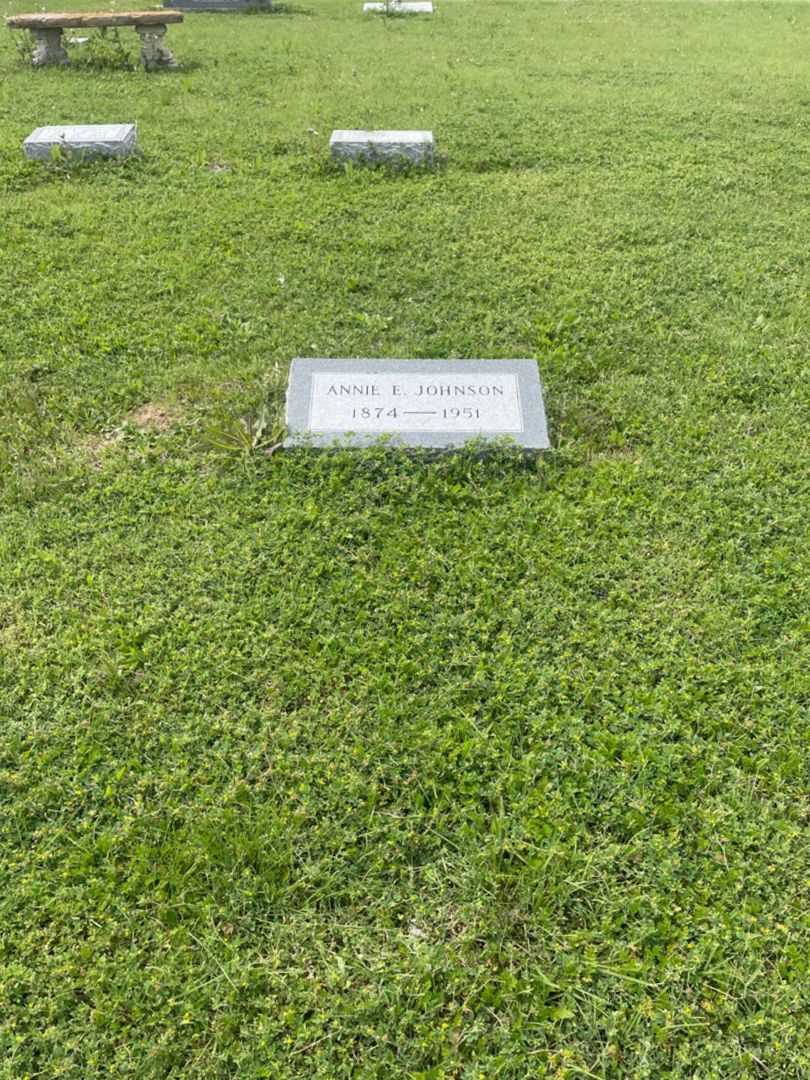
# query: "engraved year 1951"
{"points": [[466, 412]]}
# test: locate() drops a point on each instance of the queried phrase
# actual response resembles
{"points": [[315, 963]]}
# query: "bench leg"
{"points": [[154, 53], [48, 48]]}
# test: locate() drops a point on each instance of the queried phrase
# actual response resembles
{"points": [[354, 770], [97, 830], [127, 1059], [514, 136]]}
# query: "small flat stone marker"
{"points": [[375, 147], [221, 5], [82, 140], [414, 403], [401, 7]]}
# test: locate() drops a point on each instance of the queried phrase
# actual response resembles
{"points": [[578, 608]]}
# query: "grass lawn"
{"points": [[367, 766]]}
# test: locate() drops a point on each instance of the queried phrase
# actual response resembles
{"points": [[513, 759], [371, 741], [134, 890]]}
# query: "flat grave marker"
{"points": [[220, 5], [437, 404], [374, 147], [400, 7], [81, 140]]}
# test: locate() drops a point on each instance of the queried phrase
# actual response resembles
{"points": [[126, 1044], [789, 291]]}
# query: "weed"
{"points": [[262, 429], [242, 435], [24, 46], [105, 50]]}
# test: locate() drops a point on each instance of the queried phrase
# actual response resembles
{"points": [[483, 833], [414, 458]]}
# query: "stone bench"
{"points": [[47, 29]]}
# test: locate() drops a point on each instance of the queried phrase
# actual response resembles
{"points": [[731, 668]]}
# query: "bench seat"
{"points": [[87, 19], [47, 28]]}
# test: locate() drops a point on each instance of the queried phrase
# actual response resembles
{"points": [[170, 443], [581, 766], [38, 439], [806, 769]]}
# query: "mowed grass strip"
{"points": [[369, 765]]}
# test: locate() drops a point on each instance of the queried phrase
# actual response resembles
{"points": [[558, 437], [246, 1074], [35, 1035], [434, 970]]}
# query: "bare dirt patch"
{"points": [[96, 446], [152, 417]]}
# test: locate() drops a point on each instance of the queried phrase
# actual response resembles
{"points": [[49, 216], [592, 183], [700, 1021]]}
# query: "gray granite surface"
{"points": [[382, 146], [414, 403], [84, 140], [401, 7], [219, 5]]}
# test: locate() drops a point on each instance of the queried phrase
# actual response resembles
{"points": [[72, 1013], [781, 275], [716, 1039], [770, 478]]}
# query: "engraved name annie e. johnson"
{"points": [[416, 401]]}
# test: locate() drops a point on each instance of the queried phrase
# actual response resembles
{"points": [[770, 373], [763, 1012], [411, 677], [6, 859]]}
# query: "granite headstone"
{"points": [[82, 140], [400, 7], [220, 5], [415, 403], [374, 147]]}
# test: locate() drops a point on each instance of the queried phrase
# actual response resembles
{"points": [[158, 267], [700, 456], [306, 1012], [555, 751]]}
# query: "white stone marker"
{"points": [[402, 7], [219, 5], [375, 147], [82, 140], [415, 403]]}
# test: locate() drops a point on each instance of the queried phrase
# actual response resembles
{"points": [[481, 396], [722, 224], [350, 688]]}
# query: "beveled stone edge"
{"points": [[534, 439]]}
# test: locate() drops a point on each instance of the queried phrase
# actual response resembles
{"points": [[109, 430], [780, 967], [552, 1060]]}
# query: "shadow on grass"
{"points": [[93, 66], [479, 461], [277, 10], [326, 169], [290, 9], [38, 174]]}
